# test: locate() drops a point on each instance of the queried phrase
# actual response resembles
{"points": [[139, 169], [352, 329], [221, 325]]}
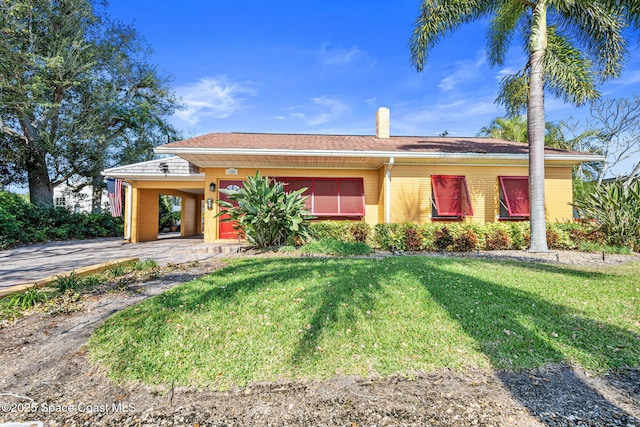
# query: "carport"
{"points": [[145, 182]]}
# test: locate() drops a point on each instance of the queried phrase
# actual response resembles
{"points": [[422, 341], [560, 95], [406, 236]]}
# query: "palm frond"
{"points": [[502, 29], [629, 9], [514, 92], [599, 28], [438, 18], [568, 73]]}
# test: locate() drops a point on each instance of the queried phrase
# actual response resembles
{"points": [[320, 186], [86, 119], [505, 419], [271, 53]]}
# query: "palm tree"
{"points": [[509, 128], [570, 44]]}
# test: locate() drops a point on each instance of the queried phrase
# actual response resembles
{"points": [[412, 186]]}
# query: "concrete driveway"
{"points": [[27, 264]]}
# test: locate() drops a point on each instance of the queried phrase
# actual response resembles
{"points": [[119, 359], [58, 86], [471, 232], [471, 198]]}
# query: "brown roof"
{"points": [[400, 144]]}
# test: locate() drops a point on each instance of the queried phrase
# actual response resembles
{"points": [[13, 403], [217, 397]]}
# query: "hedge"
{"points": [[24, 223], [455, 237]]}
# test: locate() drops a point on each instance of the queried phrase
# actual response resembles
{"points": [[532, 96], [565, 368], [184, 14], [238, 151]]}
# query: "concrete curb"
{"points": [[84, 271]]}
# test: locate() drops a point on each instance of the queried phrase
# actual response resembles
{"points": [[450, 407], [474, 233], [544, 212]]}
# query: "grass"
{"points": [[68, 289], [26, 300], [595, 247], [299, 318], [335, 247]]}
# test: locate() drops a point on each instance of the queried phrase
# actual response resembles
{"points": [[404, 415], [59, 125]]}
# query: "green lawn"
{"points": [[273, 318]]}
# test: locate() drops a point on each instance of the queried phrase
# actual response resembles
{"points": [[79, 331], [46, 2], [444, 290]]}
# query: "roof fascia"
{"points": [[578, 158]]}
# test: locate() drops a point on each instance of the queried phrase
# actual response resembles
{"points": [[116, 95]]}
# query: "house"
{"points": [[77, 201], [377, 179]]}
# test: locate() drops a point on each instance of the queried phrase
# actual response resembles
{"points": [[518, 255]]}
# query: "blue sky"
{"points": [[310, 66]]}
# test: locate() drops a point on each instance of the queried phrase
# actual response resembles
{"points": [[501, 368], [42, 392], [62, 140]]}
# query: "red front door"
{"points": [[225, 229]]}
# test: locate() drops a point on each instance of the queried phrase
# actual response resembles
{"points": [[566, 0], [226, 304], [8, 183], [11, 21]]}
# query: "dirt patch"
{"points": [[45, 376]]}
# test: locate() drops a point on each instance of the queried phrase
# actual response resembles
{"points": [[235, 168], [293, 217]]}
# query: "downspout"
{"points": [[127, 235], [387, 191]]}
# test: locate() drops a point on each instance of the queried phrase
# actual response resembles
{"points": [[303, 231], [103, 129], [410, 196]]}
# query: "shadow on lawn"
{"points": [[516, 328], [343, 293], [348, 293]]}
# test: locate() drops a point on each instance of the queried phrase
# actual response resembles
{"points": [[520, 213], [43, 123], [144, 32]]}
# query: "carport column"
{"points": [[210, 223], [135, 227], [387, 191], [199, 225], [128, 190]]}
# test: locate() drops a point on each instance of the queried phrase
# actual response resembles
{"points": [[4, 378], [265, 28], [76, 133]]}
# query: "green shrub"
{"points": [[339, 230], [101, 225], [267, 214], [443, 239], [496, 238], [287, 249], [412, 238], [584, 233], [360, 232], [520, 235], [614, 210], [389, 236], [464, 237], [559, 237], [466, 241], [24, 223]]}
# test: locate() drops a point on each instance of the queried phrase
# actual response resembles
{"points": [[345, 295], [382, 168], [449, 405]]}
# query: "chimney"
{"points": [[382, 123]]}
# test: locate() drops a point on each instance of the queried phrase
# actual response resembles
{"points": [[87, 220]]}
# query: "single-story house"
{"points": [[64, 196], [376, 179]]}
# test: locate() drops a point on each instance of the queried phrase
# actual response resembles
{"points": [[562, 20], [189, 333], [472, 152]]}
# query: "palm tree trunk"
{"points": [[536, 121]]}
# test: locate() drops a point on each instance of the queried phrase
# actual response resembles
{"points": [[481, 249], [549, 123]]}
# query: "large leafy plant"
{"points": [[267, 214], [614, 209]]}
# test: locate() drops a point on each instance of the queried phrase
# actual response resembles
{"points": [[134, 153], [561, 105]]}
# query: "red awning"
{"points": [[452, 195], [516, 194]]}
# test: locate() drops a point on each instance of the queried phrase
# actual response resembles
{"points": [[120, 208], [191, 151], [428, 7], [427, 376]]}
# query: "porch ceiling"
{"points": [[256, 161], [224, 160]]}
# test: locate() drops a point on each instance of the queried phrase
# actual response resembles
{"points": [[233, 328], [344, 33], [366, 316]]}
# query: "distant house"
{"points": [[80, 201], [376, 179]]}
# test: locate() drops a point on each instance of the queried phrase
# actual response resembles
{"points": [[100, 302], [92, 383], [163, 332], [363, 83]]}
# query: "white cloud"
{"points": [[212, 97], [322, 110], [463, 71], [507, 71], [340, 56], [460, 117], [372, 101], [628, 78]]}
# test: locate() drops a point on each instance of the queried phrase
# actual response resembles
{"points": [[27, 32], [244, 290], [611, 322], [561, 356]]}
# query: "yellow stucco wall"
{"points": [[558, 190], [370, 181], [410, 190], [145, 208]]}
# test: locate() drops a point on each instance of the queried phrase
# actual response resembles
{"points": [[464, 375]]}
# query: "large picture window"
{"points": [[514, 197], [330, 197], [450, 197]]}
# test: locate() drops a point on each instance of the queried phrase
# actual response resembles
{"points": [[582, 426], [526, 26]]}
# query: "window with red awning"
{"points": [[451, 196], [515, 190]]}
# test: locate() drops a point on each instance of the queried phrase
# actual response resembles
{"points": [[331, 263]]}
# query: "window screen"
{"points": [[330, 196], [451, 195], [515, 190]]}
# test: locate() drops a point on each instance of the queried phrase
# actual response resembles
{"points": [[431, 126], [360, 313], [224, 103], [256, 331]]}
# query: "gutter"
{"points": [[581, 157], [387, 190]]}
